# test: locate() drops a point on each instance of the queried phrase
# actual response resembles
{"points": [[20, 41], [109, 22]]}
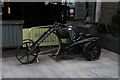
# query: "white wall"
{"points": [[98, 11]]}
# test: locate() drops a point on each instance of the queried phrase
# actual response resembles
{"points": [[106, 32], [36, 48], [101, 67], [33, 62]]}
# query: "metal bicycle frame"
{"points": [[82, 41], [52, 29], [42, 37]]}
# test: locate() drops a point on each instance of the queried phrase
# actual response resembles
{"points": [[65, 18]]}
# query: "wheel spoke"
{"points": [[27, 57], [33, 55], [24, 54], [93, 51], [26, 44], [22, 57]]}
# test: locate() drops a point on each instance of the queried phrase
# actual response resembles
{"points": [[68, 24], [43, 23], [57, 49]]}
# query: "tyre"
{"points": [[92, 51], [24, 54]]}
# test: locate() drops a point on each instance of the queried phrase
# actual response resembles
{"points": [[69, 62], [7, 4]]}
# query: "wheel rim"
{"points": [[24, 55], [93, 51]]}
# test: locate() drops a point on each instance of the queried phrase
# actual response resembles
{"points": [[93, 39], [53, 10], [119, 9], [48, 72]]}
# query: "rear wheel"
{"points": [[92, 51], [24, 54]]}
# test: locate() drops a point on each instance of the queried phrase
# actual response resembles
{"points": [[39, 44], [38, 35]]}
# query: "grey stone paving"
{"points": [[105, 67]]}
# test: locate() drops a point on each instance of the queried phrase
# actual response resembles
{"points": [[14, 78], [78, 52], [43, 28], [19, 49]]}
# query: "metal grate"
{"points": [[49, 43]]}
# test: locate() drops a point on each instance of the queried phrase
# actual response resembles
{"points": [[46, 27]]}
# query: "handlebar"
{"points": [[64, 25], [59, 24]]}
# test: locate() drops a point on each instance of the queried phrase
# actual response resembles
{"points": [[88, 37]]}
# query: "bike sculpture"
{"points": [[28, 52]]}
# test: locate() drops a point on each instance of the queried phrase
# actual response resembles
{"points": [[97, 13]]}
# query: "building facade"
{"points": [[76, 13]]}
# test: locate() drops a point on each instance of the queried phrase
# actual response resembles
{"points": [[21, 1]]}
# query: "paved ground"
{"points": [[105, 67]]}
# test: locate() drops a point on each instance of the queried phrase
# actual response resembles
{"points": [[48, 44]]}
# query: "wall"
{"points": [[11, 34], [80, 11], [98, 11], [108, 9]]}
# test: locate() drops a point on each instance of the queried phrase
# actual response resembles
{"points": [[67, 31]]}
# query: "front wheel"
{"points": [[24, 54], [92, 51]]}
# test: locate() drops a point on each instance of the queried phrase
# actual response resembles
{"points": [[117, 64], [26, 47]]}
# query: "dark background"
{"points": [[16, 11], [34, 13]]}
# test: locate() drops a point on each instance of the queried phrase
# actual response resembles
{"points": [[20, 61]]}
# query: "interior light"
{"points": [[9, 11]]}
